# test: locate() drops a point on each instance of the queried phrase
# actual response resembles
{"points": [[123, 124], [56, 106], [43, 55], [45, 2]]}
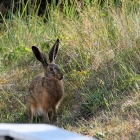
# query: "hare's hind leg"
{"points": [[31, 111]]}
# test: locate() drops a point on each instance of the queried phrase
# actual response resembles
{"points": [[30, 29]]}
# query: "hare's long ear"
{"points": [[39, 55], [53, 51]]}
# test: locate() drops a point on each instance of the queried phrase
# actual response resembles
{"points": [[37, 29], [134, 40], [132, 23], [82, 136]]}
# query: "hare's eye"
{"points": [[51, 68]]}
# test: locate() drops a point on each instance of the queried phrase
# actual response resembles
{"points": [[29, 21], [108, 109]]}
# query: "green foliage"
{"points": [[99, 55]]}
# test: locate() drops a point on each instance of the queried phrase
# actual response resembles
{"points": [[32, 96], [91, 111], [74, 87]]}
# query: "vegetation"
{"points": [[99, 55]]}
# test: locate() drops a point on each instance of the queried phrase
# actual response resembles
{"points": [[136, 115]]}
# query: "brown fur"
{"points": [[46, 90]]}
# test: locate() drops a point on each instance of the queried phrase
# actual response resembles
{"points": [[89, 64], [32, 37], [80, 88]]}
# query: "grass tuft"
{"points": [[99, 55]]}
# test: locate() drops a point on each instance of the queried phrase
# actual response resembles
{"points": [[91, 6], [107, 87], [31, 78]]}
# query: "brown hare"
{"points": [[46, 89]]}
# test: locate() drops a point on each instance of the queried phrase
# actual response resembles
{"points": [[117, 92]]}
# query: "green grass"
{"points": [[99, 55]]}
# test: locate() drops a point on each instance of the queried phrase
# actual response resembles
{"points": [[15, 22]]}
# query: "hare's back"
{"points": [[46, 90]]}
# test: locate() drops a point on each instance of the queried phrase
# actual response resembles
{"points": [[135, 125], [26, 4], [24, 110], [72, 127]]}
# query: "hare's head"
{"points": [[51, 70]]}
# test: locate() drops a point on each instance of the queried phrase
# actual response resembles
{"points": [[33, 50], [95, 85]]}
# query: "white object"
{"points": [[37, 132]]}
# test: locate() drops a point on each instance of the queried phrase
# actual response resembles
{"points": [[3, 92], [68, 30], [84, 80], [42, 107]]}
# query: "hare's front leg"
{"points": [[46, 117], [53, 114]]}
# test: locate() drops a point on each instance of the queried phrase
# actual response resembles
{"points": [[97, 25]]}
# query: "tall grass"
{"points": [[99, 55]]}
